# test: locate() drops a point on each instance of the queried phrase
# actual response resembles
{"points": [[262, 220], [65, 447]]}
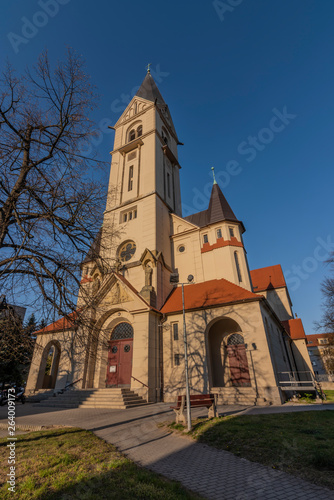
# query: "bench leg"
{"points": [[212, 413], [180, 417]]}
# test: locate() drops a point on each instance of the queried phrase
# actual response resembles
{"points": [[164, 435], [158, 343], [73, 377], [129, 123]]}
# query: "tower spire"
{"points": [[214, 177]]}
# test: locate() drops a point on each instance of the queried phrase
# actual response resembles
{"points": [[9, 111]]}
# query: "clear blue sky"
{"points": [[222, 75]]}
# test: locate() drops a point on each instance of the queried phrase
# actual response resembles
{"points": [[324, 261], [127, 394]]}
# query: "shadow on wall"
{"points": [[217, 355]]}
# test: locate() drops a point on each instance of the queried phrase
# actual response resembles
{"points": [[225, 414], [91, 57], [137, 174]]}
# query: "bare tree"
{"points": [[16, 344], [50, 202], [326, 324]]}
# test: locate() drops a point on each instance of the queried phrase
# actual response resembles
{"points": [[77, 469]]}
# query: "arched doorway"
{"points": [[119, 366], [228, 360], [48, 370], [236, 351]]}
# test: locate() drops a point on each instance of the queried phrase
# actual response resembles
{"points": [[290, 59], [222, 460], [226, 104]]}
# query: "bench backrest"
{"points": [[198, 400]]}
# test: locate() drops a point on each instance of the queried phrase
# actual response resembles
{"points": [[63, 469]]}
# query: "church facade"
{"points": [[241, 334]]}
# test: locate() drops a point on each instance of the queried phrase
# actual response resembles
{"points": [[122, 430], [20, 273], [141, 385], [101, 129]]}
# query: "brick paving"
{"points": [[215, 474]]}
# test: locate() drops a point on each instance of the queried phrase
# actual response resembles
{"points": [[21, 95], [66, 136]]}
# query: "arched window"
{"points": [[132, 135], [235, 339], [164, 136], [237, 265], [139, 131], [122, 331]]}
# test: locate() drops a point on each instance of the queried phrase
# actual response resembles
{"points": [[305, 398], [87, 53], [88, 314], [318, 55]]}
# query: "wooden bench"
{"points": [[196, 401]]}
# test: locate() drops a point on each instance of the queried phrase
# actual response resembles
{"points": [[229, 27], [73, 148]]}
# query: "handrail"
{"points": [[68, 385], [142, 383]]}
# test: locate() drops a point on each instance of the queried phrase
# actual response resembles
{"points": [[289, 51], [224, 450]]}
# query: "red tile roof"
{"points": [[295, 328], [61, 324], [267, 278], [313, 340], [207, 294]]}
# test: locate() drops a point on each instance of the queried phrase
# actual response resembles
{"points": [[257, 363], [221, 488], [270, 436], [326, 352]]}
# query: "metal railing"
{"points": [[67, 386], [325, 377], [297, 380], [142, 383]]}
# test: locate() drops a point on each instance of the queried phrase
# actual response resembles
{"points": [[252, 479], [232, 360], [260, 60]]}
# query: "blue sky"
{"points": [[226, 70]]}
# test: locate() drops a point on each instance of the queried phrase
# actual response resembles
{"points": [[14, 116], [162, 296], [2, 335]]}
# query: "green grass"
{"points": [[329, 396], [300, 443], [310, 397], [62, 464]]}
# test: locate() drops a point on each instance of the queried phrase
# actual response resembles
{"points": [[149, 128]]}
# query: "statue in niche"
{"points": [[148, 274]]}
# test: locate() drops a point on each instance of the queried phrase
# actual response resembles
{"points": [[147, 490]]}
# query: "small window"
{"points": [[129, 215], [231, 229], [176, 359], [164, 137], [310, 341], [175, 331], [219, 233], [130, 183], [205, 238], [168, 185], [132, 135], [139, 131], [236, 258], [181, 248]]}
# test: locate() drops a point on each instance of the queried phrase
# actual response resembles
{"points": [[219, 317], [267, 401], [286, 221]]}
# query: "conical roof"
{"points": [[218, 210], [149, 90], [95, 248]]}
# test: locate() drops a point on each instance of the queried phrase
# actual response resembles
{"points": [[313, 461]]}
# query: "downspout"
{"points": [[161, 372]]}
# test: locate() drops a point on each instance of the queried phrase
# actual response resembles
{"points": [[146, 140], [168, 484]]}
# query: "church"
{"points": [[242, 338]]}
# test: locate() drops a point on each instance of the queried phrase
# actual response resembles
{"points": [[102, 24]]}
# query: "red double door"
{"points": [[119, 366], [238, 365]]}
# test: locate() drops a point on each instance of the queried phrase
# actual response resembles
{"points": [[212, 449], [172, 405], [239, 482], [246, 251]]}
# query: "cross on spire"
{"points": [[148, 67], [213, 173]]}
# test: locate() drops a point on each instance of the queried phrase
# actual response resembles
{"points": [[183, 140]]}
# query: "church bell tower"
{"points": [[144, 188]]}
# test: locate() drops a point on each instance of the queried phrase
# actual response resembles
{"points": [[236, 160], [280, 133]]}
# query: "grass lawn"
{"points": [[73, 463], [300, 443], [329, 396], [310, 398]]}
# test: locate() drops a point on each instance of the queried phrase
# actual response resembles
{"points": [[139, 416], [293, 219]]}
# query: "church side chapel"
{"points": [[241, 333]]}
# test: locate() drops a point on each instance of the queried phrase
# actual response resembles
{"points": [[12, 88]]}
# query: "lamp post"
{"points": [[174, 278]]}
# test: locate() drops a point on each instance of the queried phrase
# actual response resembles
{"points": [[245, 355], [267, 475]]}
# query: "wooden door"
{"points": [[119, 366], [238, 365]]}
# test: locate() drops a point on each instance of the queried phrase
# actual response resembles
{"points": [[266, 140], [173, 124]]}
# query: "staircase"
{"points": [[245, 396], [115, 398]]}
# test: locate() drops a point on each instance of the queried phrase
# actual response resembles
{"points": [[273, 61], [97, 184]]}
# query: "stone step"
{"points": [[117, 398], [74, 394], [99, 398], [88, 404]]}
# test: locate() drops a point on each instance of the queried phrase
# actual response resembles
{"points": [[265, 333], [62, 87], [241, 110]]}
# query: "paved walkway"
{"points": [[215, 474]]}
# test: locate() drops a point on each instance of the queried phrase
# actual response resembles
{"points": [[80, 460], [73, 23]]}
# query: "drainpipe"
{"points": [[161, 372]]}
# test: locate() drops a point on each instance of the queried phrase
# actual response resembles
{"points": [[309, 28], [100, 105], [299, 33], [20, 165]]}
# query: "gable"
{"points": [[181, 225], [136, 106]]}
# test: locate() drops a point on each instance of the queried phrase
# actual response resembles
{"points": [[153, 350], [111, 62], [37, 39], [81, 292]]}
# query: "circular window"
{"points": [[126, 348], [114, 349], [182, 248], [126, 251]]}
